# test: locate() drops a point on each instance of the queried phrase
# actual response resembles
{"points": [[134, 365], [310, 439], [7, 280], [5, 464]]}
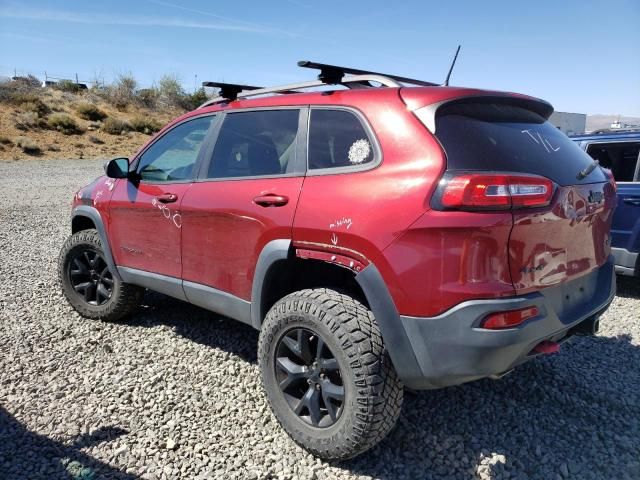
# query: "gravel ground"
{"points": [[174, 391]]}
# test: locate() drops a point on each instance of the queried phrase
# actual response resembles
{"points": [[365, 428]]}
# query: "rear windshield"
{"points": [[508, 138]]}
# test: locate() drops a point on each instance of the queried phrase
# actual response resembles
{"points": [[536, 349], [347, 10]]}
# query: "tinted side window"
{"points": [[173, 156], [255, 143], [620, 158], [337, 138]]}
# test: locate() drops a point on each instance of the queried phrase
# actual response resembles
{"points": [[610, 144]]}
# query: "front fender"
{"points": [[93, 214]]}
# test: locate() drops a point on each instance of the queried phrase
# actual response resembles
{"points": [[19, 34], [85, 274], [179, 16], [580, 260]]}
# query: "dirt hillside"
{"points": [[36, 124]]}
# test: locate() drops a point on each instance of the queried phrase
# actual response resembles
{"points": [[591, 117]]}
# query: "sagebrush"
{"points": [[89, 111], [63, 123]]}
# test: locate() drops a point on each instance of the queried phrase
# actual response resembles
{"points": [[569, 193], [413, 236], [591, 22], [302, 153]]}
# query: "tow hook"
{"points": [[546, 347]]}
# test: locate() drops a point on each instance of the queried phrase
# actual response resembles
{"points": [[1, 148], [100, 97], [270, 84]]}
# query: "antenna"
{"points": [[455, 57]]}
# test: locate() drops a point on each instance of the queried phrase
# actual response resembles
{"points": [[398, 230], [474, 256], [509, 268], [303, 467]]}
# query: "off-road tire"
{"points": [[373, 392], [125, 298]]}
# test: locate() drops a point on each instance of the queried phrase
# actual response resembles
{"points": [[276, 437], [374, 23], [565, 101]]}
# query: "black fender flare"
{"points": [[391, 327], [273, 252], [93, 214], [378, 297]]}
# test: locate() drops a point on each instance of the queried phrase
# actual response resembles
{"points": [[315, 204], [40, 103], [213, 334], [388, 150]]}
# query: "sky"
{"points": [[581, 55]]}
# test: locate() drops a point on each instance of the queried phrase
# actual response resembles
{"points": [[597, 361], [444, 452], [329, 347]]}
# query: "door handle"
{"points": [[632, 200], [168, 198], [271, 200]]}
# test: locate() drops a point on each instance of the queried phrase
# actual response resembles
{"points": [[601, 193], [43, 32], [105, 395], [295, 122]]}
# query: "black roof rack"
{"points": [[333, 74], [329, 75], [230, 91]]}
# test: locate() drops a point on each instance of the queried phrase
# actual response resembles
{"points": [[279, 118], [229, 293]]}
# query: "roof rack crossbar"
{"points": [[295, 87], [230, 91], [333, 74]]}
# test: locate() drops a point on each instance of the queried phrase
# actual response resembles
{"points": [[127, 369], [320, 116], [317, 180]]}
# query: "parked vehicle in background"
{"points": [[377, 236], [620, 153]]}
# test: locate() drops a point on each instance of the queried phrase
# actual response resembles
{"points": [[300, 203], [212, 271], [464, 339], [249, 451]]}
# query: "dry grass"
{"points": [[89, 111], [27, 145], [28, 121], [22, 111], [115, 126], [63, 123], [145, 125]]}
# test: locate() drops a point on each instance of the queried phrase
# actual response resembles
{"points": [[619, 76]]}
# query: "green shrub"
{"points": [[27, 145], [67, 86], [5, 140], [27, 101], [96, 140], [148, 97], [145, 125], [115, 126], [89, 111], [63, 123], [196, 99], [37, 106], [170, 90], [29, 121], [122, 93]]}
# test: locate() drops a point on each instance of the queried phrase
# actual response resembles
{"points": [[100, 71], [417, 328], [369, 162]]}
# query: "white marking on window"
{"points": [[359, 151]]}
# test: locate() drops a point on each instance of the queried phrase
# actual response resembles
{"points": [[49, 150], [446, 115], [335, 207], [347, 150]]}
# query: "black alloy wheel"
{"points": [[90, 277], [309, 377]]}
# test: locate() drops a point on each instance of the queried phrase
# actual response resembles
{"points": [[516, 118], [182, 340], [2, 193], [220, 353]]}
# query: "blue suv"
{"points": [[620, 152]]}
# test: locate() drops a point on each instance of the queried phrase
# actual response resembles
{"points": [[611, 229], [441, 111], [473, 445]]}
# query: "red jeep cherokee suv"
{"points": [[378, 236]]}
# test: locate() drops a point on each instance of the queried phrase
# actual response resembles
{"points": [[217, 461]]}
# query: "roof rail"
{"points": [[329, 75], [333, 74], [354, 81]]}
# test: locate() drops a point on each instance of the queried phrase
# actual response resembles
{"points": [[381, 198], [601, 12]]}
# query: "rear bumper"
{"points": [[451, 349], [626, 261]]}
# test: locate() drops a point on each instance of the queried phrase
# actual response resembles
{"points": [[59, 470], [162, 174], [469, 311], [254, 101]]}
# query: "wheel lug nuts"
{"points": [[317, 386], [309, 381]]}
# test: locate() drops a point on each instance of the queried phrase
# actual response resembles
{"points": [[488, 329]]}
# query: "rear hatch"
{"points": [[502, 154]]}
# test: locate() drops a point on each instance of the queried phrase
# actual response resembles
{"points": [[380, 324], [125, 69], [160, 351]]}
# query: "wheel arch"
{"points": [[84, 217], [278, 257]]}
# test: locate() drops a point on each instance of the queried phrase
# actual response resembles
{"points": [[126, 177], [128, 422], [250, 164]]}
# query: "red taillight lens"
{"points": [[611, 178], [509, 319], [500, 191]]}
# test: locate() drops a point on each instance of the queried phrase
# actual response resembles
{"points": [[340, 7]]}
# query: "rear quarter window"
{"points": [[508, 138], [338, 139]]}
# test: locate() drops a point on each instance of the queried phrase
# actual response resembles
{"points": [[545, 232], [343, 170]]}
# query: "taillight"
{"points": [[612, 180], [481, 191], [508, 319]]}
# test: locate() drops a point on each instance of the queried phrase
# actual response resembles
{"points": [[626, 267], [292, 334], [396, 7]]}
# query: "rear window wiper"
{"points": [[587, 170]]}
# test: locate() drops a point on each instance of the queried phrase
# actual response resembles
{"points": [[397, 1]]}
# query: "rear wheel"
{"points": [[326, 373], [89, 284]]}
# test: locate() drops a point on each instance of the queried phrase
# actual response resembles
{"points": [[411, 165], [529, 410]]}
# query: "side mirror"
{"points": [[117, 168]]}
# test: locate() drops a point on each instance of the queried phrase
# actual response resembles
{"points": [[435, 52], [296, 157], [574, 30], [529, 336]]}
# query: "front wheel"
{"points": [[88, 283], [327, 375]]}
